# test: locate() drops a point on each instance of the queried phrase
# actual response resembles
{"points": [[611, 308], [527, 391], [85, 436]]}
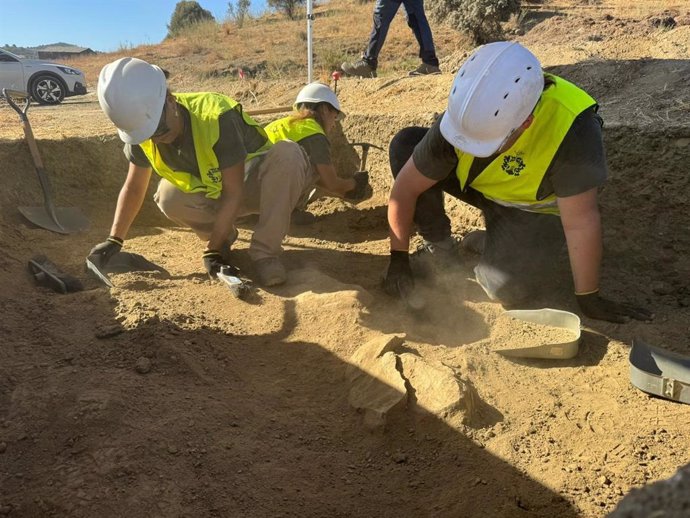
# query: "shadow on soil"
{"points": [[162, 420]]}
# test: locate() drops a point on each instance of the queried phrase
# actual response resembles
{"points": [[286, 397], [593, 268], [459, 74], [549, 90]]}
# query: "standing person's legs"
{"points": [[384, 12], [283, 179], [417, 21], [430, 215], [521, 252], [193, 210]]}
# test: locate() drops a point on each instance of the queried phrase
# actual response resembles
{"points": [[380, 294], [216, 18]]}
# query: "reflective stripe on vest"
{"points": [[289, 128], [513, 178], [204, 109]]}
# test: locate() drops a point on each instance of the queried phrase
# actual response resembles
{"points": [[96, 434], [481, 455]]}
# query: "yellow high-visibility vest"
{"points": [[205, 110], [289, 128], [513, 178]]}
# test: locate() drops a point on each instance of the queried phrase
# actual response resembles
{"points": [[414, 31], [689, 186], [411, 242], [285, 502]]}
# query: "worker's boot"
{"points": [[361, 68], [270, 271], [425, 70], [302, 217]]}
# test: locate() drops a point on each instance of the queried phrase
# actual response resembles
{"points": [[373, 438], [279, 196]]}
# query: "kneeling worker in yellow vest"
{"points": [[525, 148], [318, 110], [214, 161]]}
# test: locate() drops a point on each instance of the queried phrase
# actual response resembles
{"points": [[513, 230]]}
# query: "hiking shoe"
{"points": [[474, 242], [302, 217], [270, 271], [359, 69], [425, 69]]}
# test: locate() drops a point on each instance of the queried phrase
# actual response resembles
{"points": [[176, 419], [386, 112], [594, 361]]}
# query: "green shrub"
{"points": [[238, 11], [186, 14], [479, 19], [287, 7]]}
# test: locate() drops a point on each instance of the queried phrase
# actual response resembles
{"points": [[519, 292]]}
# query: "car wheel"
{"points": [[46, 89]]}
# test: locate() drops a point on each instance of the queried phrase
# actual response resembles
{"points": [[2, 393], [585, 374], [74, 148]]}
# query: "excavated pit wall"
{"points": [[644, 204]]}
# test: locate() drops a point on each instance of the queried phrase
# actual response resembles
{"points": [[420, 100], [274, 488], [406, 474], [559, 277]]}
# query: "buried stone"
{"points": [[381, 380]]}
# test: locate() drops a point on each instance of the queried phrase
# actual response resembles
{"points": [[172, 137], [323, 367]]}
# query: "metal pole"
{"points": [[310, 54]]}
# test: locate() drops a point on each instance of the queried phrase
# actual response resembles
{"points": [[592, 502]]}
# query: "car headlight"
{"points": [[70, 71]]}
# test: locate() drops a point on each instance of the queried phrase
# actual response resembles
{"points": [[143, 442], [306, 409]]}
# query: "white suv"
{"points": [[48, 83]]}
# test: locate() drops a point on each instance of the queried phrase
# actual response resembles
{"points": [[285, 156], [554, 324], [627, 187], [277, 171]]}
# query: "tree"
{"points": [[187, 13], [238, 11], [288, 7], [480, 19]]}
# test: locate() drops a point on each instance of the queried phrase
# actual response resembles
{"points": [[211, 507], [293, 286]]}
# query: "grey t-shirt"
{"points": [[578, 166], [318, 148], [237, 139]]}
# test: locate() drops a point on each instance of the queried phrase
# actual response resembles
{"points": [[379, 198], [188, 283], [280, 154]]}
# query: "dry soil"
{"points": [[166, 396]]}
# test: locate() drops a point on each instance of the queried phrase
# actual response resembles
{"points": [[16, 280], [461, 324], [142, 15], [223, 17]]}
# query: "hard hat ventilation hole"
{"points": [[462, 73], [529, 68], [505, 96], [453, 92], [496, 114], [472, 58], [517, 79]]}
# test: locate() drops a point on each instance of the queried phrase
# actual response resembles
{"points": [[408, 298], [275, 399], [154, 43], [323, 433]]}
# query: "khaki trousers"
{"points": [[274, 185]]}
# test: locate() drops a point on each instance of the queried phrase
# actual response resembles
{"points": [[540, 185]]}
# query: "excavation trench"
{"points": [[169, 394]]}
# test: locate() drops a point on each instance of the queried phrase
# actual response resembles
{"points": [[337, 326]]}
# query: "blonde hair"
{"points": [[309, 111]]}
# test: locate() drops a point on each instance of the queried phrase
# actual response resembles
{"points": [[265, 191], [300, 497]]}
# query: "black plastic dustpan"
{"points": [[64, 220]]}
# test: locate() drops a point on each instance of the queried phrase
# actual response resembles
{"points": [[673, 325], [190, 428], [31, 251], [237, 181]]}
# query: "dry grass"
{"points": [[271, 47]]}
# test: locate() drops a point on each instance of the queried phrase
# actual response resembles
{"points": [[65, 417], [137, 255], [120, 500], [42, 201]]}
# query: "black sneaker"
{"points": [[359, 68], [425, 69]]}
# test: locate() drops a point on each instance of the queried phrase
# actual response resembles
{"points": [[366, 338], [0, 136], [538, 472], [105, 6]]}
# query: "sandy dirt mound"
{"points": [[166, 396]]}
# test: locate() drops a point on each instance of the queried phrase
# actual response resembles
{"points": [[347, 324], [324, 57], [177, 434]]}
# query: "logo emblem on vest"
{"points": [[214, 175], [513, 165]]}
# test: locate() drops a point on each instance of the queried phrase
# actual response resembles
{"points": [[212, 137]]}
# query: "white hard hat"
{"points": [[493, 93], [132, 93], [317, 93]]}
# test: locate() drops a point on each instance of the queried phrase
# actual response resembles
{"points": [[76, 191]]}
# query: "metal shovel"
{"points": [[58, 219]]}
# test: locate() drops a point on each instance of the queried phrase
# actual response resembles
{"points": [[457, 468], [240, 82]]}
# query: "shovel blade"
{"points": [[66, 221]]}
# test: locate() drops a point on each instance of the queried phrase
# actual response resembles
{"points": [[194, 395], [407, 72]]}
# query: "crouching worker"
{"points": [[214, 161], [524, 147], [317, 110]]}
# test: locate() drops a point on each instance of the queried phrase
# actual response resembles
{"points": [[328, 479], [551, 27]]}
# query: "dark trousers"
{"points": [[522, 249], [384, 12]]}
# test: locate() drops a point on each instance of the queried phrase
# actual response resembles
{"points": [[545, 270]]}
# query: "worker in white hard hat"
{"points": [[526, 148], [317, 110], [214, 161]]}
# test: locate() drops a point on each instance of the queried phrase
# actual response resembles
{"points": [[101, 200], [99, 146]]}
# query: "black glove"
{"points": [[213, 262], [398, 281], [594, 306], [362, 190], [102, 252]]}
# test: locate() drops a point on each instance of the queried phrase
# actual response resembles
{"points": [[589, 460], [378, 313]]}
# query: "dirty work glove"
{"points": [[362, 190], [213, 262], [102, 252], [398, 281], [594, 306]]}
